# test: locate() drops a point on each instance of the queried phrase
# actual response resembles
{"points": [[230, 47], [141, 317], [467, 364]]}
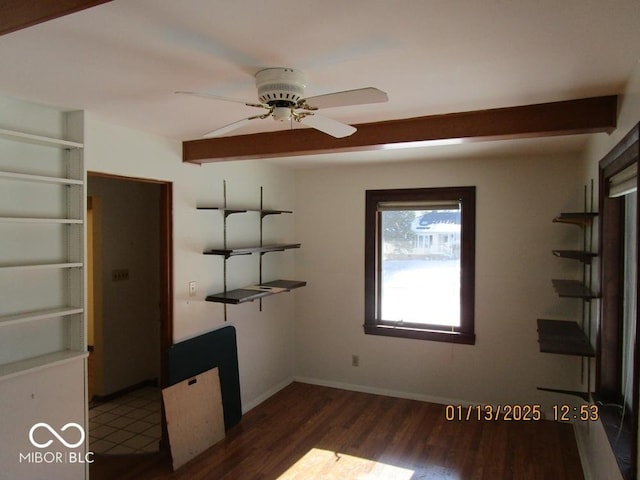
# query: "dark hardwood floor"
{"points": [[312, 432]]}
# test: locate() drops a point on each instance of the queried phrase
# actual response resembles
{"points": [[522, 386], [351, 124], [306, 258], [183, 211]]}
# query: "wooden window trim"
{"points": [[608, 391], [465, 334]]}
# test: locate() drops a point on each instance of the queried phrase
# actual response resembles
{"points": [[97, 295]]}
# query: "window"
{"points": [[420, 263], [617, 364]]}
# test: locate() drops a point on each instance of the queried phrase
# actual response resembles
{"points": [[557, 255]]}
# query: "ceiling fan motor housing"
{"points": [[280, 87]]}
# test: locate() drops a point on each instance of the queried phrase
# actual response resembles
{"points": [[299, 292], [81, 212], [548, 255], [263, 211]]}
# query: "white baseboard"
{"points": [[381, 391], [246, 406]]}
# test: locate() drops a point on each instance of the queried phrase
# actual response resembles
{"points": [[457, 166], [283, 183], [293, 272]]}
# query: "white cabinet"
{"points": [[42, 211]]}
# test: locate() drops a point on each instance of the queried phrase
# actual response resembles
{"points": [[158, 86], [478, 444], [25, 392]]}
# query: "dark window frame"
{"points": [[608, 391], [465, 334]]}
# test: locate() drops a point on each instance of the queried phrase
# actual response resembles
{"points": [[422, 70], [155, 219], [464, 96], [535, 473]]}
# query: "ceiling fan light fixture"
{"points": [[282, 114]]}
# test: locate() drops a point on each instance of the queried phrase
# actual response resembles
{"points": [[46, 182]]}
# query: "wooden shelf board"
{"points": [[572, 289], [230, 252], [229, 211], [39, 315], [563, 337], [586, 396], [38, 139], [576, 218], [582, 256], [266, 212], [29, 365], [249, 294]]}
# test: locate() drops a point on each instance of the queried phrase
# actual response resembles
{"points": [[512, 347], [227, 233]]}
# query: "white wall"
{"points": [[265, 339], [598, 460], [517, 198]]}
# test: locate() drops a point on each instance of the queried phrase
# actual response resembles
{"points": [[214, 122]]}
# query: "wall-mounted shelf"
{"points": [[572, 289], [254, 292], [563, 337], [231, 252], [260, 289], [580, 255], [580, 219], [586, 396], [230, 211], [568, 337]]}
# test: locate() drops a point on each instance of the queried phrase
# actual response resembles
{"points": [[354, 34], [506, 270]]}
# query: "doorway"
{"points": [[129, 306]]}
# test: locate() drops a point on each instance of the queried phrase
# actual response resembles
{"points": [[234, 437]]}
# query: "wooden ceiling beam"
{"points": [[18, 14], [588, 115]]}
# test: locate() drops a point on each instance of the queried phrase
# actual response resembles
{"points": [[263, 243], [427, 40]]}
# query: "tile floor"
{"points": [[126, 425]]}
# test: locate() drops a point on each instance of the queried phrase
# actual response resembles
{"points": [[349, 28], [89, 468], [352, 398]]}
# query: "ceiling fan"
{"points": [[281, 94]]}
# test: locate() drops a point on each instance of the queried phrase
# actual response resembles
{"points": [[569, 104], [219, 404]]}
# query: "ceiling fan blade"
{"points": [[230, 128], [328, 125], [226, 99], [359, 96]]}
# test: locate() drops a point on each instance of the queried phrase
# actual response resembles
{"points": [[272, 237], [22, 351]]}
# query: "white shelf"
{"points": [[46, 261], [41, 362], [38, 139], [68, 221], [37, 315], [42, 266], [39, 178]]}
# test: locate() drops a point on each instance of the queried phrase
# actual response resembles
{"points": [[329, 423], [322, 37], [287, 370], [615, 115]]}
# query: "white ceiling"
{"points": [[124, 59]]}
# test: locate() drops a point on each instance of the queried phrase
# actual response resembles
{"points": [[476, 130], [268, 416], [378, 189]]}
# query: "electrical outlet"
{"points": [[192, 289], [355, 360]]}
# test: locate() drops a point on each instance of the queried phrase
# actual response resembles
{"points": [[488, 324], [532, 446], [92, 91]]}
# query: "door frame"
{"points": [[166, 262]]}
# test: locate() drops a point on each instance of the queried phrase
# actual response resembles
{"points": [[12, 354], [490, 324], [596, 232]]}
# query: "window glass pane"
{"points": [[630, 297], [420, 266]]}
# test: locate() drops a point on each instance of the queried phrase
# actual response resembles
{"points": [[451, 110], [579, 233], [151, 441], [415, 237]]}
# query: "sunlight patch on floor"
{"points": [[325, 464]]}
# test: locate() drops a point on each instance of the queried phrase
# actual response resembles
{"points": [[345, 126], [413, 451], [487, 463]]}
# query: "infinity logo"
{"points": [[55, 434]]}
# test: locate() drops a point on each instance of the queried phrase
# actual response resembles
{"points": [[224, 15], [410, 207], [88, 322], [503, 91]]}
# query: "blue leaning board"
{"points": [[213, 349]]}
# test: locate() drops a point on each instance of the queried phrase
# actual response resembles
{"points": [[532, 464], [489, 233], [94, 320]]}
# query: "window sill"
{"points": [[619, 430], [420, 334]]}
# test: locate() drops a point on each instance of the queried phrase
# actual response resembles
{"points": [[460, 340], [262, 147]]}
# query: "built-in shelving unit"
{"points": [[41, 216], [261, 289], [566, 337], [37, 315], [39, 139], [40, 178]]}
